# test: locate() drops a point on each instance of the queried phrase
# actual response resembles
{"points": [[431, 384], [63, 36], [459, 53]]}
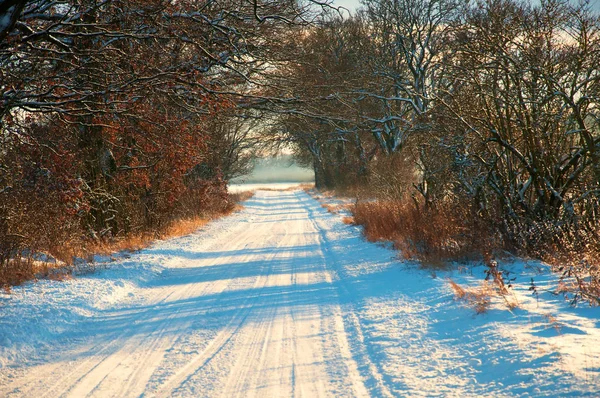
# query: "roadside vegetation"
{"points": [[465, 130], [68, 258], [115, 125]]}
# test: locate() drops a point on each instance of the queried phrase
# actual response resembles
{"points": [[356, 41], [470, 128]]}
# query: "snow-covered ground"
{"points": [[284, 299]]}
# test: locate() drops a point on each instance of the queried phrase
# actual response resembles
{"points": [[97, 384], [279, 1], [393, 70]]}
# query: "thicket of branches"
{"points": [[118, 117], [481, 115]]}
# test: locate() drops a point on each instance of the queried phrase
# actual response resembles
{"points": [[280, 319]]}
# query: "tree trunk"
{"points": [[319, 174]]}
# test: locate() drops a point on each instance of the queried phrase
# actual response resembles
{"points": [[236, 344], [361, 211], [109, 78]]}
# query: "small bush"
{"points": [[240, 196], [433, 235], [479, 298]]}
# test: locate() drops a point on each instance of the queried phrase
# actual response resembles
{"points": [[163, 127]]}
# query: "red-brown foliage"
{"points": [[66, 187]]}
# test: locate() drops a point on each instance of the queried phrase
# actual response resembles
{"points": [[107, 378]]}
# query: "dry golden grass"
{"points": [[331, 208], [135, 242], [456, 231], [565, 287], [60, 275], [434, 236], [381, 220], [184, 227], [23, 270], [348, 220], [180, 227], [131, 242], [573, 251], [552, 321], [351, 191], [459, 292], [479, 298], [17, 271], [327, 193], [579, 265], [242, 196], [336, 208]]}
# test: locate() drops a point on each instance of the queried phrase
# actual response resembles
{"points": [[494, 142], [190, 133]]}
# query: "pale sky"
{"points": [[349, 4], [354, 4]]}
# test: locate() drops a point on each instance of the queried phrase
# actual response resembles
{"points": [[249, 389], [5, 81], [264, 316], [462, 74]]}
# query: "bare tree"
{"points": [[528, 99], [410, 39]]}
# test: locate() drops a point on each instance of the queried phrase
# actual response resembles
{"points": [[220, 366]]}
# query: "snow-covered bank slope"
{"points": [[428, 344], [283, 299]]}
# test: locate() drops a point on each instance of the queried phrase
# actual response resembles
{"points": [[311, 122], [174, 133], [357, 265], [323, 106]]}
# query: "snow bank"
{"points": [[427, 343], [36, 313], [38, 316]]}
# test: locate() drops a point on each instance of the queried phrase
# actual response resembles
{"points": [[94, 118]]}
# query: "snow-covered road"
{"points": [[279, 300]]}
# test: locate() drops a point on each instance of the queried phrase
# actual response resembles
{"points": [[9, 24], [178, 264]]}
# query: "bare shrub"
{"points": [[240, 196], [391, 177], [479, 298], [16, 271], [432, 235]]}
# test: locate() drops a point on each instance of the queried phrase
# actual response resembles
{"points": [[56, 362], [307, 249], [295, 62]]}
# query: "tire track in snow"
{"points": [[369, 368], [108, 348], [184, 374], [279, 337], [93, 355], [255, 345], [194, 290]]}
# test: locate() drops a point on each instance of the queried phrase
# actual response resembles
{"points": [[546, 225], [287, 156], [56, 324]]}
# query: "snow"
{"points": [[284, 299]]}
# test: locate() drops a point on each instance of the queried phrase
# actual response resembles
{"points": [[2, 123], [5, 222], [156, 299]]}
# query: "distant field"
{"points": [[281, 169], [233, 188]]}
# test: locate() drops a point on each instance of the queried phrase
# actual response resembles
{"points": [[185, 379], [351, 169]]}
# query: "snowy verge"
{"points": [[36, 313], [417, 333], [38, 318]]}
